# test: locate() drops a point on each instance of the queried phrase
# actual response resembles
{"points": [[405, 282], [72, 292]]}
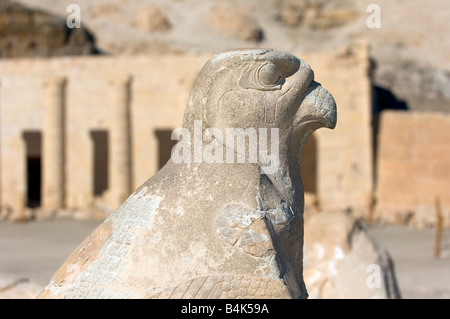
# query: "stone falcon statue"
{"points": [[202, 228]]}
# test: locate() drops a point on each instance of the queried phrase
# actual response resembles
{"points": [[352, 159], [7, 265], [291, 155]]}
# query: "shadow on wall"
{"points": [[33, 142], [165, 145], [383, 99], [308, 165]]}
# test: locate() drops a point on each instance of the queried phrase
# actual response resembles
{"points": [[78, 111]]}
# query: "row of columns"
{"points": [[54, 146]]}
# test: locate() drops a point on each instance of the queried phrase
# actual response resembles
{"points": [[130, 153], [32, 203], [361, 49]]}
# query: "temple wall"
{"points": [[132, 98]]}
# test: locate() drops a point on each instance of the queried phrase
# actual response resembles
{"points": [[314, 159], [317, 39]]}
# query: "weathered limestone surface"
{"points": [[341, 260], [215, 230], [413, 167]]}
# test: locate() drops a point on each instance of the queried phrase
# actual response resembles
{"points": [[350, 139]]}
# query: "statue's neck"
{"points": [[262, 147]]}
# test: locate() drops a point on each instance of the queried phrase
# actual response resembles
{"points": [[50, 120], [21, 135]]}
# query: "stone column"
{"points": [[53, 143], [119, 141]]}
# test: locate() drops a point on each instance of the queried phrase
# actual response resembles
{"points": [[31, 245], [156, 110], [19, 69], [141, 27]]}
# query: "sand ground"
{"points": [[419, 275], [36, 249]]}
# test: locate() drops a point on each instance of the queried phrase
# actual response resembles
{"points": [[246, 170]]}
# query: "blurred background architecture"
{"points": [[86, 114]]}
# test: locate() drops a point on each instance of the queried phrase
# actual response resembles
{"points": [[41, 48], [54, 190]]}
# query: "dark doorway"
{"points": [[100, 167], [308, 165], [383, 99], [165, 145], [33, 142]]}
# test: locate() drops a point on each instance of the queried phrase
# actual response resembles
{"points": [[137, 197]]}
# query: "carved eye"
{"points": [[263, 77], [268, 74]]}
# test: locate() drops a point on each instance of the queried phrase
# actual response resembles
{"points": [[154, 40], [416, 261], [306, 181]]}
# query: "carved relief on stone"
{"points": [[221, 227]]}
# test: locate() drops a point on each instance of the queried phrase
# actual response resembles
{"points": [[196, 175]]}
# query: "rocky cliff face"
{"points": [[26, 32], [410, 47]]}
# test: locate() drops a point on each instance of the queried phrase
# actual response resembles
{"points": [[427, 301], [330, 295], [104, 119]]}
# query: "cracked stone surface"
{"points": [[215, 229]]}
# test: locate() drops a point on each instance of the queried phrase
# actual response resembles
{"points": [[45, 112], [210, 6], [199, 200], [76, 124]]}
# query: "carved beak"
{"points": [[316, 110]]}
